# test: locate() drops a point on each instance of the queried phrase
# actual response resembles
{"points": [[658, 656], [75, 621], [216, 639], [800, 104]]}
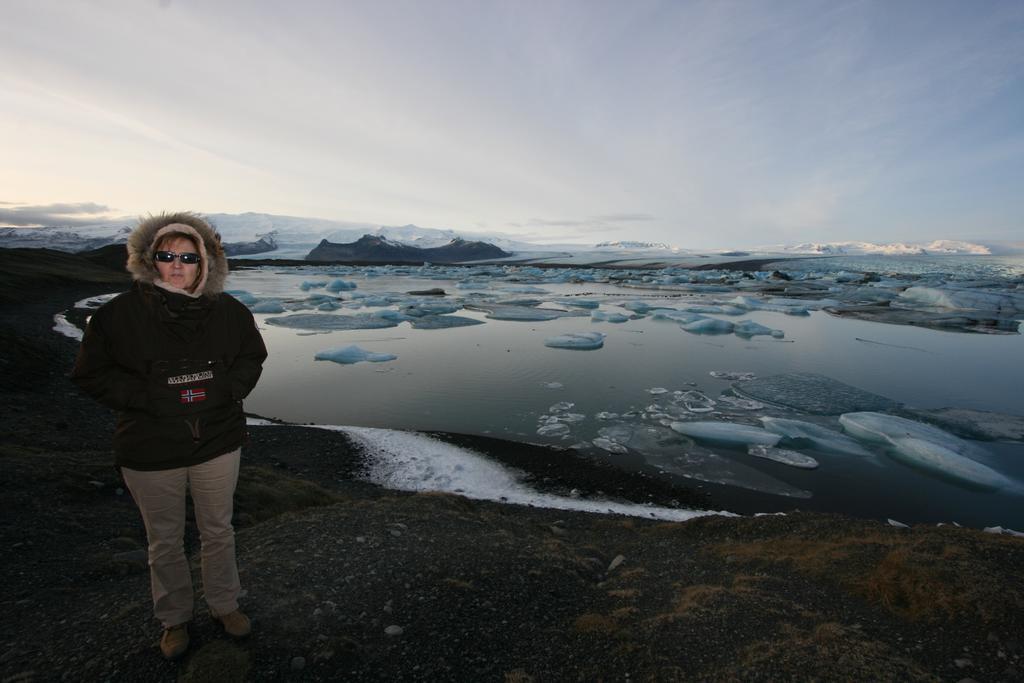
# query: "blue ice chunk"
{"points": [[430, 308], [340, 286], [798, 432], [309, 284], [443, 322], [936, 459], [748, 328], [784, 456], [578, 303], [521, 313], [603, 316], [266, 306], [727, 433], [708, 326], [245, 297], [582, 341], [674, 315], [331, 322], [353, 354]]}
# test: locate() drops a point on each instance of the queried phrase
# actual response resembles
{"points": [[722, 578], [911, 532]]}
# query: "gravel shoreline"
{"points": [[347, 580]]}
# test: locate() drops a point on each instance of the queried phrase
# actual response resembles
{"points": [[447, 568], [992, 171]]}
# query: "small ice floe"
{"points": [[732, 376], [267, 306], [580, 341], [657, 390], [783, 455], [751, 304], [748, 329], [443, 322], [605, 317], [353, 354], [609, 445], [1003, 530], [420, 309], [740, 403], [521, 313], [926, 448], [409, 461], [694, 401], [61, 325], [553, 429], [802, 433], [93, 302], [604, 415], [719, 309], [523, 289], [330, 322], [672, 314], [561, 407], [726, 433], [553, 385], [898, 525], [1000, 301], [340, 286], [812, 393], [310, 284], [578, 303], [709, 326]]}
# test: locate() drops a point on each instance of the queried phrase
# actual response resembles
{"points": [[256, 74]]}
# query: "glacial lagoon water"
{"points": [[618, 402]]}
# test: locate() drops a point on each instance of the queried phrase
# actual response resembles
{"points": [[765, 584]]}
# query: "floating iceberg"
{"points": [[521, 313], [267, 306], [946, 463], [812, 393], [732, 376], [800, 433], [580, 341], [353, 354], [443, 322], [609, 445], [340, 286], [784, 456], [578, 303], [328, 322], [308, 285], [726, 433], [925, 447], [1005, 302], [748, 328], [709, 326], [603, 316]]}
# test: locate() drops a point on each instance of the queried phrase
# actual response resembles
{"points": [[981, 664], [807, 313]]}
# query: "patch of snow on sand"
{"points": [[409, 461]]}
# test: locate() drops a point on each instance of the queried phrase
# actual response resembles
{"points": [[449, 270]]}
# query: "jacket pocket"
{"points": [[187, 387]]}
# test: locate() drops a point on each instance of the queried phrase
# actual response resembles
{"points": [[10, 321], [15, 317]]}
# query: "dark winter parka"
{"points": [[175, 364]]}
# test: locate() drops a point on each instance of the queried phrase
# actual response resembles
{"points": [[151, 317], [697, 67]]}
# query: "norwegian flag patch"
{"points": [[193, 395]]}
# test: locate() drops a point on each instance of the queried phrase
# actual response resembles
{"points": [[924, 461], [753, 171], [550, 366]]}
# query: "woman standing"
{"points": [[176, 356]]}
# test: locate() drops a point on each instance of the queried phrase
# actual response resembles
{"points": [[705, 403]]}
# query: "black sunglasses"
{"points": [[188, 257]]}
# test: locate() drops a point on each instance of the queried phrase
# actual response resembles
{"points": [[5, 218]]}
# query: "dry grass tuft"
{"points": [[518, 676], [263, 493]]}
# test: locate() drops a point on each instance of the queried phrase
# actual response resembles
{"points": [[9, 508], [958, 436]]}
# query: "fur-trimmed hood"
{"points": [[142, 245]]}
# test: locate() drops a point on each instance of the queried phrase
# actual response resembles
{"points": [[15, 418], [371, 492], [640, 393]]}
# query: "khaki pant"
{"points": [[161, 499]]}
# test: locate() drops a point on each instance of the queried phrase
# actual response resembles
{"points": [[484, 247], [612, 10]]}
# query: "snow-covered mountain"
{"points": [[889, 249], [629, 244], [295, 236]]}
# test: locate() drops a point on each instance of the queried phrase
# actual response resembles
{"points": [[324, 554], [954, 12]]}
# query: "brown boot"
{"points": [[174, 641], [235, 624]]}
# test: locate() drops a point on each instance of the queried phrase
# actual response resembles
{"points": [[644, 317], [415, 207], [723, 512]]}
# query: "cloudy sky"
{"points": [[699, 124]]}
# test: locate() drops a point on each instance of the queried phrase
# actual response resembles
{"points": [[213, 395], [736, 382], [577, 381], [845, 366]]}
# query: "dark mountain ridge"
{"points": [[371, 248]]}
